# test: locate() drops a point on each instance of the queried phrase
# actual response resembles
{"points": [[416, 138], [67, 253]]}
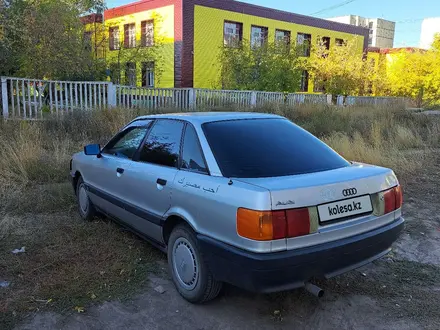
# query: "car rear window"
{"points": [[257, 148]]}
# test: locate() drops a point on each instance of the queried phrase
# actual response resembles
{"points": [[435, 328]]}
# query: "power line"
{"points": [[346, 2], [410, 20]]}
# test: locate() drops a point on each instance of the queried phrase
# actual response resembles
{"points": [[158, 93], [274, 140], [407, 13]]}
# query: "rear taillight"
{"points": [[298, 222], [273, 225], [399, 197], [388, 201]]}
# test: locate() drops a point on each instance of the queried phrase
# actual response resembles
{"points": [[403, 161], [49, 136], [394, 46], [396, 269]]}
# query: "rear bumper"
{"points": [[273, 272]]}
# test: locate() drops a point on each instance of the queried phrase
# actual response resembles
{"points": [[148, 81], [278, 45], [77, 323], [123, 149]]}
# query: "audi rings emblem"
{"points": [[349, 192]]}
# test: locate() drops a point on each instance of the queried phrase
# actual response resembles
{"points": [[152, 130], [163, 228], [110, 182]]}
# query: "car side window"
{"points": [[192, 157], [162, 146], [127, 144]]}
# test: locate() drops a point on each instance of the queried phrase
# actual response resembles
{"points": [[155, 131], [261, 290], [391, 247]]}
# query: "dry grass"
{"points": [[69, 261]]}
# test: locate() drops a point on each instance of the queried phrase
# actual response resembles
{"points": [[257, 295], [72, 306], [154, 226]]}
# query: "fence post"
{"points": [[253, 99], [329, 99], [111, 97], [340, 100], [191, 98], [5, 97]]}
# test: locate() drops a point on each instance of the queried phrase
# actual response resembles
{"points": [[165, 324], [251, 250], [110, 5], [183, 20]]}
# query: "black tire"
{"points": [[205, 287], [88, 211]]}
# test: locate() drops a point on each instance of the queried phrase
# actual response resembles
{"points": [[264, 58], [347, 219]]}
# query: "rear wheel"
{"points": [[190, 274], [85, 206]]}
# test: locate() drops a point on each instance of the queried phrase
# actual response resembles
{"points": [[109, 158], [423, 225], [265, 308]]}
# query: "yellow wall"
{"points": [[208, 40], [164, 36]]}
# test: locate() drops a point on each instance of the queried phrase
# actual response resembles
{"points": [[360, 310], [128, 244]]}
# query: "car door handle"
{"points": [[162, 182], [120, 170]]}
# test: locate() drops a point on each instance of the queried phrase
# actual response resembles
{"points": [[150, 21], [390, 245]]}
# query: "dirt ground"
{"points": [[402, 291]]}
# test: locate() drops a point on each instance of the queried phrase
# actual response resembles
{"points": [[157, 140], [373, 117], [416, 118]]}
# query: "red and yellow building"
{"points": [[192, 33]]}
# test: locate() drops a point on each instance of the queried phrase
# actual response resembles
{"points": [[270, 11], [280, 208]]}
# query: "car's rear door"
{"points": [[150, 179]]}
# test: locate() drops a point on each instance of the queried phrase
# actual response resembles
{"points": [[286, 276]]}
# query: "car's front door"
{"points": [[151, 176], [105, 176]]}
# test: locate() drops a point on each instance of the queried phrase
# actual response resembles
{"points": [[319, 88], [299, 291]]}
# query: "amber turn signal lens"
{"points": [[256, 225]]}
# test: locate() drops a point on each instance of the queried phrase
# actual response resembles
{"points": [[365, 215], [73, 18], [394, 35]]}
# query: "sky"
{"points": [[408, 14]]}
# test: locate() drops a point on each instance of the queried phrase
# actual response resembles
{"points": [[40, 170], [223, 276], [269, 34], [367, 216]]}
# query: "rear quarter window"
{"points": [[256, 148]]}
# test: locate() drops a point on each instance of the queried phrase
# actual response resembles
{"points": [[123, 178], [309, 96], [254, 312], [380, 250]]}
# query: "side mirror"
{"points": [[92, 150]]}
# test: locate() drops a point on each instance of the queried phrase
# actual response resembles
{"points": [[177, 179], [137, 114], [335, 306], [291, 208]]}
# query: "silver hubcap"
{"points": [[185, 264], [83, 199]]}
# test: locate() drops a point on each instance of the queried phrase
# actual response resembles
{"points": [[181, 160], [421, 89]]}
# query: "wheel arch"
{"points": [[172, 221], [75, 179]]}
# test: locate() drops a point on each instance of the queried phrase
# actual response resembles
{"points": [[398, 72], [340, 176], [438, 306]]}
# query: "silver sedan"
{"points": [[243, 198]]}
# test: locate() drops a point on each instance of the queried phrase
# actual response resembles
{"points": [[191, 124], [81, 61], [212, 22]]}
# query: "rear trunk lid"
{"points": [[318, 188]]}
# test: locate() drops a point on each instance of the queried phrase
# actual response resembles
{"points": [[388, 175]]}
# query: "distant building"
{"points": [[430, 26], [381, 31], [189, 36]]}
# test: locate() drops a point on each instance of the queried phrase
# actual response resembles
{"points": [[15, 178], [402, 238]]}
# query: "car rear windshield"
{"points": [[260, 148]]}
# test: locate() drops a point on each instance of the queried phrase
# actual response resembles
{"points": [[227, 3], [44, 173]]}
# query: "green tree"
{"points": [[11, 33], [415, 74], [342, 69], [272, 67], [436, 42], [45, 39]]}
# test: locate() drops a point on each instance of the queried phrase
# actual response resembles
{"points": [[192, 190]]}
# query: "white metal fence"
{"points": [[371, 101], [153, 98], [206, 98], [31, 98]]}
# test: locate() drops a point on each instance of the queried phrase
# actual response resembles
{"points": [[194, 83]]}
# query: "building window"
{"points": [[258, 36], [371, 32], [318, 86], [130, 35], [304, 81], [339, 42], [148, 74], [88, 41], [282, 37], [114, 41], [233, 34], [147, 33], [303, 41], [130, 74], [325, 41]]}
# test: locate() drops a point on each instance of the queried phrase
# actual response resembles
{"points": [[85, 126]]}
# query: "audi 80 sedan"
{"points": [[242, 198]]}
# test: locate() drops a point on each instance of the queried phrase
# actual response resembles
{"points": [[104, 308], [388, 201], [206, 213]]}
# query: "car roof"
{"points": [[207, 117]]}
